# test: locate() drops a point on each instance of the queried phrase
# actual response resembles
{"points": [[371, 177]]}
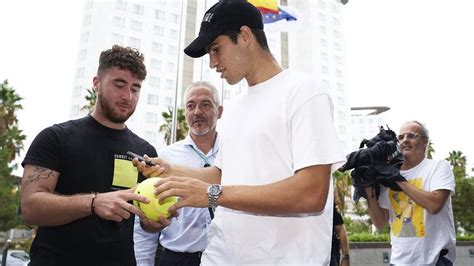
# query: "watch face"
{"points": [[215, 190]]}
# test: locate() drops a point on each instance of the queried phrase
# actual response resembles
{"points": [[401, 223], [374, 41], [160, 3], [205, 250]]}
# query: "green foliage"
{"points": [[342, 189], [464, 196], [462, 204], [469, 237], [11, 143], [357, 226], [181, 129], [369, 237], [430, 150], [91, 99]]}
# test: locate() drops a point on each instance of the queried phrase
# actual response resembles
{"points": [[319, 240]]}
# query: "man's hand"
{"points": [[345, 262], [161, 168], [114, 205], [192, 192], [156, 226]]}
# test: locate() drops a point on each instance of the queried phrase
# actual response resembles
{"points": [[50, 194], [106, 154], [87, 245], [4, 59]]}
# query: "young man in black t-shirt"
{"points": [[77, 184], [339, 241]]}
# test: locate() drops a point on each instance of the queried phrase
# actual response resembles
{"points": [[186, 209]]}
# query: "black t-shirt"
{"points": [[335, 245], [90, 158]]}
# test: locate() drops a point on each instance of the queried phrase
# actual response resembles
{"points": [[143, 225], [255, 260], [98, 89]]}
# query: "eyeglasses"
{"points": [[410, 136]]}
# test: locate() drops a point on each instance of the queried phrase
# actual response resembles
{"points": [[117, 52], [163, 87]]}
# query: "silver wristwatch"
{"points": [[213, 193]]}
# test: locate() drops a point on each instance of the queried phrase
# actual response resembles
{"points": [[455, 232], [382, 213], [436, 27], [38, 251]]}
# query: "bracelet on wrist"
{"points": [[345, 257], [94, 196]]}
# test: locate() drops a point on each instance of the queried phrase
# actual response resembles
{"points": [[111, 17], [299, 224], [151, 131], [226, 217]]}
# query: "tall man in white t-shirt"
{"points": [[421, 215], [278, 148], [186, 238]]}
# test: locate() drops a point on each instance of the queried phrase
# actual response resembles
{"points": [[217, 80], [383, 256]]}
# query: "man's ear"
{"points": [[246, 35], [220, 109], [95, 83]]}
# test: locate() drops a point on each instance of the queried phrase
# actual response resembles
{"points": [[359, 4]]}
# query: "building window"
{"points": [[151, 118], [80, 73], [77, 91], [335, 21], [324, 42], [134, 42], [171, 67], [117, 38], [157, 47], [338, 60], [153, 99], [136, 26], [339, 73], [324, 84], [173, 18], [322, 29], [150, 136], [155, 64], [85, 37], [154, 81], [138, 9], [322, 4], [170, 84], [75, 110], [339, 87], [337, 34], [87, 20], [322, 17], [82, 54], [173, 34], [119, 22], [159, 15], [158, 31], [324, 70], [340, 100], [168, 101], [324, 56], [120, 5], [172, 50], [90, 4]]}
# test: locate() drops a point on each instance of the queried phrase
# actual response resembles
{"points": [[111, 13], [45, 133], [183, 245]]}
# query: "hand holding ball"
{"points": [[154, 209]]}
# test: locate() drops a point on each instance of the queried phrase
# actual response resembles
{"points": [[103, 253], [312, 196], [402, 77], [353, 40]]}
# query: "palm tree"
{"points": [[11, 143], [464, 196], [91, 99], [181, 129], [458, 162], [342, 188], [431, 150]]}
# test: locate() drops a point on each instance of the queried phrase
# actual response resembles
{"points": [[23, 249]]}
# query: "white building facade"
{"points": [[161, 28]]}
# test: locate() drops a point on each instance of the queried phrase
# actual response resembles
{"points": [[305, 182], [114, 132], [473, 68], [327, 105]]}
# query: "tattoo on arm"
{"points": [[38, 174]]}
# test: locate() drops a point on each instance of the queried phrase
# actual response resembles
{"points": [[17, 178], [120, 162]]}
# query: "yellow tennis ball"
{"points": [[153, 210]]}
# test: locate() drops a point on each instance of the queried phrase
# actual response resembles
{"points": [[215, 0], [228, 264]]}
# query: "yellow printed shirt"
{"points": [[417, 237]]}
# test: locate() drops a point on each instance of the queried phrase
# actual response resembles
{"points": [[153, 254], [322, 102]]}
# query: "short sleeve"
{"points": [[314, 137], [442, 177]]}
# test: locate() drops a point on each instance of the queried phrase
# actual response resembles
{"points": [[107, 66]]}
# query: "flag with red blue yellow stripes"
{"points": [[271, 12]]}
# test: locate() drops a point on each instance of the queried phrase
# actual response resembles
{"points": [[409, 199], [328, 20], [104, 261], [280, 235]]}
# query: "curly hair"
{"points": [[124, 58]]}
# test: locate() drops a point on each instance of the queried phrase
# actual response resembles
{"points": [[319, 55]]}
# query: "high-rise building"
{"points": [[365, 123], [161, 28]]}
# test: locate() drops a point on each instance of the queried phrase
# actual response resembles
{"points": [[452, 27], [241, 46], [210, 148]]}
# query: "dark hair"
{"points": [[259, 36], [124, 58]]}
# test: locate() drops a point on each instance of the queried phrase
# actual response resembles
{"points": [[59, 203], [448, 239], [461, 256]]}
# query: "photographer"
{"points": [[420, 215]]}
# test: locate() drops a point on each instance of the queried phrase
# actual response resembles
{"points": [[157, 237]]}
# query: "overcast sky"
{"points": [[414, 56]]}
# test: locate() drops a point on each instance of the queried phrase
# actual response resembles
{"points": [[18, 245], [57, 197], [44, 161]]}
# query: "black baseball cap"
{"points": [[224, 16]]}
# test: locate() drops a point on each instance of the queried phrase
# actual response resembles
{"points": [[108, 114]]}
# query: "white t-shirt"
{"points": [[417, 237], [279, 126]]}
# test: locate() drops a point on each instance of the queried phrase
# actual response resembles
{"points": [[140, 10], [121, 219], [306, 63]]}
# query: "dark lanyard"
{"points": [[206, 164]]}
